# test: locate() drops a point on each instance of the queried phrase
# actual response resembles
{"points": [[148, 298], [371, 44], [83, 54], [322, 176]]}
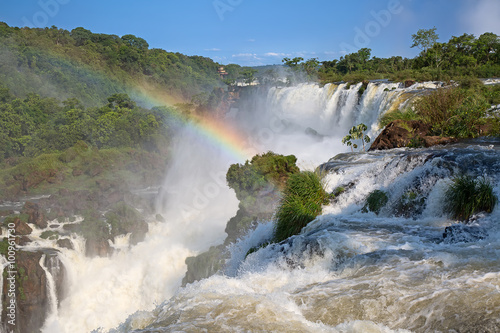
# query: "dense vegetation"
{"points": [[461, 56], [90, 67], [258, 184], [34, 125], [261, 171], [459, 112]]}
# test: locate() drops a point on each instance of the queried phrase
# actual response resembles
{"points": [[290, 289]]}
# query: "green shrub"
{"points": [[262, 171], [453, 112], [302, 200], [467, 196], [468, 117], [408, 114], [439, 106], [49, 234], [122, 219], [375, 201], [4, 247]]}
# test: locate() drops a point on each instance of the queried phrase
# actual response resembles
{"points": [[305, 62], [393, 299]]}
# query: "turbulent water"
{"points": [[348, 271]]}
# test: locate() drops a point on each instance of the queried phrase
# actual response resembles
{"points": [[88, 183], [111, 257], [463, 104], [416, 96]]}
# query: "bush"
{"points": [[467, 196], [375, 201], [453, 112], [262, 171], [49, 234], [408, 114], [439, 106], [302, 200]]}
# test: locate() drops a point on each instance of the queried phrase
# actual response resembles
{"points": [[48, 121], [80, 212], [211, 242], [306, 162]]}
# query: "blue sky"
{"points": [[261, 32]]}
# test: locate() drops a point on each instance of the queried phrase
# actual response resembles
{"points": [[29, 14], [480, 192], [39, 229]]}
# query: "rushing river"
{"points": [[348, 271]]}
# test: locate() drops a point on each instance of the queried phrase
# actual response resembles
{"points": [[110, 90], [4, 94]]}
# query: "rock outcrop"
{"points": [[35, 214], [30, 284], [407, 133]]}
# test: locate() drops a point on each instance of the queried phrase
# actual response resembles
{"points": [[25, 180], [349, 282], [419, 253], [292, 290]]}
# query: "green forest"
{"points": [[63, 89], [462, 56], [91, 67]]}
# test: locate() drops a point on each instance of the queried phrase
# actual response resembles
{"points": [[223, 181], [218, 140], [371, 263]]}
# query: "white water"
{"points": [[364, 281], [51, 289], [350, 271]]}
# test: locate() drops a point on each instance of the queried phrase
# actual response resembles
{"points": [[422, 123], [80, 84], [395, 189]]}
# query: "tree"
{"points": [[80, 35], [248, 75], [424, 39], [136, 42], [311, 67], [293, 63], [355, 133]]}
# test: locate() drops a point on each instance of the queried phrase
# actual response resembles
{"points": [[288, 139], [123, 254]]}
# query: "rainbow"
{"points": [[213, 131]]}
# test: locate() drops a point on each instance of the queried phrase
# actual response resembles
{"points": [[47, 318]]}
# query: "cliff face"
{"points": [[27, 280]]}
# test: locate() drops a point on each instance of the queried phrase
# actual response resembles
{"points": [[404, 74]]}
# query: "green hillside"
{"points": [[91, 67]]}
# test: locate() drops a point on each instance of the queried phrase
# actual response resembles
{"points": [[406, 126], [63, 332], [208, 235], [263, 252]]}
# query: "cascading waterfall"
{"points": [[3, 264], [195, 204], [349, 271], [51, 286]]}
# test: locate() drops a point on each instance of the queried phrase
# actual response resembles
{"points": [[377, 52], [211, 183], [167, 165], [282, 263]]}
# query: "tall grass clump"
{"points": [[302, 200], [439, 106], [467, 196], [453, 112], [408, 114]]}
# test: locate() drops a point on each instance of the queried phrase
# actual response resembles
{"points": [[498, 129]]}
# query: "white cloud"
{"points": [[482, 16], [251, 40], [245, 55], [213, 49], [274, 54]]}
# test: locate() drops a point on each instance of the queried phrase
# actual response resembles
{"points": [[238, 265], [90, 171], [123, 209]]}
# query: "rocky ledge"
{"points": [[408, 133]]}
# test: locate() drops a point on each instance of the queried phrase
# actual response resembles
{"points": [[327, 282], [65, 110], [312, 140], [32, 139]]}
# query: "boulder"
{"points": [[22, 228], [460, 233], [407, 133], [65, 243], [409, 83], [35, 214]]}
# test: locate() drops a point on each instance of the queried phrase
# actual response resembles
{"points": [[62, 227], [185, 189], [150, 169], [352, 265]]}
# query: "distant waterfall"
{"points": [[333, 108], [51, 285]]}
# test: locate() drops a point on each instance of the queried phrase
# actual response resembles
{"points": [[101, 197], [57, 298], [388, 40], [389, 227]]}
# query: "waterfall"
{"points": [[321, 280], [3, 264], [51, 285], [356, 271]]}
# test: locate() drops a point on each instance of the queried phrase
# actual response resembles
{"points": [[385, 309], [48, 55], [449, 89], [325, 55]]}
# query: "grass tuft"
{"points": [[302, 202], [467, 196], [375, 201]]}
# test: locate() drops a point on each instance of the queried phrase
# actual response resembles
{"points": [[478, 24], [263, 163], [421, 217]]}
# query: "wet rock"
{"points": [[409, 83], [461, 233], [65, 243], [97, 248], [430, 141], [139, 232], [407, 133], [35, 214], [24, 240], [21, 227], [204, 265], [31, 289]]}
